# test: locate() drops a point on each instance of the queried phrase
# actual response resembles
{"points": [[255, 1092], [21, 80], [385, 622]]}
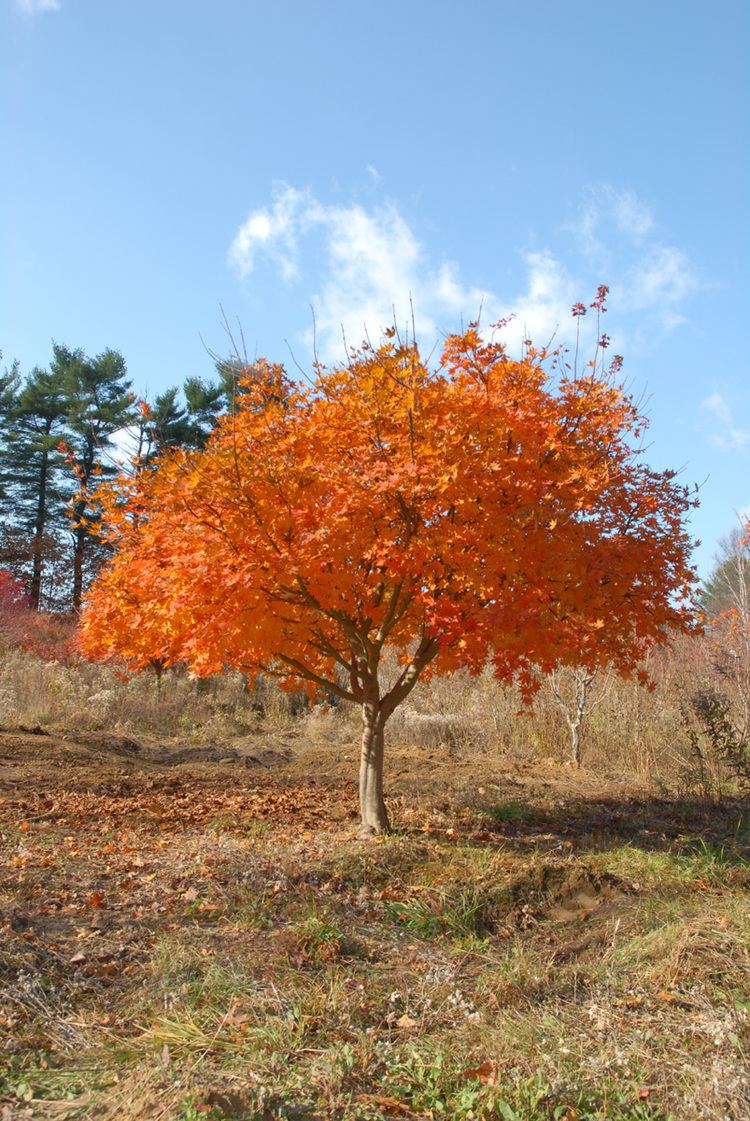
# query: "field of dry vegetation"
{"points": [[190, 929]]}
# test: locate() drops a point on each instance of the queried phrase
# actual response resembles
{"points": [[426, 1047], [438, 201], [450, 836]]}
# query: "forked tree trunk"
{"points": [[574, 709], [371, 801], [377, 706]]}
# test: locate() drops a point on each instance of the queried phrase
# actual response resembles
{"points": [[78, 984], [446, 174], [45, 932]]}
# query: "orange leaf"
{"points": [[485, 1073]]}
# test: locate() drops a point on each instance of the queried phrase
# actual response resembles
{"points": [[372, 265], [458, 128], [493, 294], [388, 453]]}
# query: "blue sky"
{"points": [[164, 158]]}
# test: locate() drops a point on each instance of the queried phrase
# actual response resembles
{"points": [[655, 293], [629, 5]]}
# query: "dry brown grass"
{"points": [[89, 697]]}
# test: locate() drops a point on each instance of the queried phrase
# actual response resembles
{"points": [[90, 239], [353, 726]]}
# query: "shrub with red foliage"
{"points": [[48, 636], [15, 605]]}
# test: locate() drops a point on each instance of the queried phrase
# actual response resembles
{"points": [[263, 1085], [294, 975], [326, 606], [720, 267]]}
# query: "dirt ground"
{"points": [[194, 931]]}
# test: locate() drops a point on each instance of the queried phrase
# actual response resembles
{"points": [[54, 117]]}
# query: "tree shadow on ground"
{"points": [[719, 830]]}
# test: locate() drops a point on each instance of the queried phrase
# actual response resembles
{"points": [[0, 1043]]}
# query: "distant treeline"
{"points": [[64, 428]]}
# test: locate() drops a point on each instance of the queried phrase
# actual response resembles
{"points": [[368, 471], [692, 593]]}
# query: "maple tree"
{"points": [[493, 509]]}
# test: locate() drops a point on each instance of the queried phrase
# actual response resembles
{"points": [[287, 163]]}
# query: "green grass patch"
{"points": [[694, 861], [510, 812]]}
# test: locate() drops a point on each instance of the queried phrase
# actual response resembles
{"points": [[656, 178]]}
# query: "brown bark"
{"points": [[78, 556], [376, 709], [374, 815], [363, 669], [80, 532], [575, 744], [35, 591]]}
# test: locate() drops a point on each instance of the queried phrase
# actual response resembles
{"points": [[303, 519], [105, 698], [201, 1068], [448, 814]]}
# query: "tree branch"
{"points": [[304, 671], [426, 651]]}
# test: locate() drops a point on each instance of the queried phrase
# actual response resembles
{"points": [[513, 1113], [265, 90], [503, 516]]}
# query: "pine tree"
{"points": [[10, 381], [159, 425], [170, 424], [206, 401], [33, 469], [100, 404]]}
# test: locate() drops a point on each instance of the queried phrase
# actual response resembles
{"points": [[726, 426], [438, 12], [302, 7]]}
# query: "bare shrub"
{"points": [[572, 689]]}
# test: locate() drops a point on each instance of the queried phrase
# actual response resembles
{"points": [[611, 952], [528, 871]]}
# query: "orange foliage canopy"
{"points": [[494, 509]]}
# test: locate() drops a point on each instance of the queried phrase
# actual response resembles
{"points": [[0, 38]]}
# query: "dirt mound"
{"points": [[90, 759], [565, 893], [104, 743]]}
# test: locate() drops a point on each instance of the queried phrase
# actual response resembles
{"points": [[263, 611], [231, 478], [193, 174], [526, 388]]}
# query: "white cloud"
{"points": [[632, 216], [731, 436], [662, 279], [615, 226], [373, 270], [370, 268], [606, 209], [275, 230], [34, 7], [375, 266]]}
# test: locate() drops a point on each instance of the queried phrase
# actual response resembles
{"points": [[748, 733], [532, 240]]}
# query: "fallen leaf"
{"points": [[485, 1073]]}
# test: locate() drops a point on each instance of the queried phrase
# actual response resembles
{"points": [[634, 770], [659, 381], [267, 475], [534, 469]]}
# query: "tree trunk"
{"points": [[81, 532], [35, 591], [575, 743], [78, 552], [371, 800]]}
